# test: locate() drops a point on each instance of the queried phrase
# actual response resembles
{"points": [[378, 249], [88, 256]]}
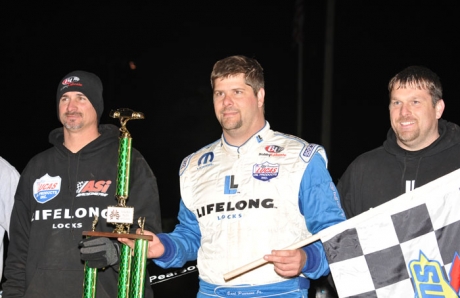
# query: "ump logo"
{"points": [[205, 158], [46, 188], [265, 171]]}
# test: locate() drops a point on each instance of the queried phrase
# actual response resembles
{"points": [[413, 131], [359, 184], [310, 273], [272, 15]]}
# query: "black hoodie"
{"points": [[389, 171], [59, 193]]}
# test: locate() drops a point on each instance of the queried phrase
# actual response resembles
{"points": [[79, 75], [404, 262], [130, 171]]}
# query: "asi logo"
{"points": [[93, 188], [429, 280], [46, 188], [265, 171]]}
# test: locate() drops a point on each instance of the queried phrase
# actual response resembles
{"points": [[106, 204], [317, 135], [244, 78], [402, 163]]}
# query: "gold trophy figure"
{"points": [[131, 277]]}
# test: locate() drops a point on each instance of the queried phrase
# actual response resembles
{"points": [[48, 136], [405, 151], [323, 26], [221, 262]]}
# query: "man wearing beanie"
{"points": [[60, 192]]}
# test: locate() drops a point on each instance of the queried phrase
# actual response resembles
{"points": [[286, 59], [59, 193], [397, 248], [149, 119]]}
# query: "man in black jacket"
{"points": [[62, 189], [420, 146]]}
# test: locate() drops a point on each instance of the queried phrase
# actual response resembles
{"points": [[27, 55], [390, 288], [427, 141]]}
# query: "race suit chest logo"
{"points": [[93, 188], [46, 188], [273, 150], [265, 171]]}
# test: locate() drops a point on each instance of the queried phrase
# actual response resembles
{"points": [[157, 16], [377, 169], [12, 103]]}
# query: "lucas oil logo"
{"points": [[46, 188], [265, 171], [93, 188]]}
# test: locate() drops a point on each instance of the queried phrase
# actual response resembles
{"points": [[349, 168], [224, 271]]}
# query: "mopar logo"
{"points": [[205, 158]]}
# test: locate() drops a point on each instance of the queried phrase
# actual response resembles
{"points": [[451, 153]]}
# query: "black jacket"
{"points": [[59, 193], [386, 172]]}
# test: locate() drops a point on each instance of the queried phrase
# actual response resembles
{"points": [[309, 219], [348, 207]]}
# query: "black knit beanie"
{"points": [[85, 82]]}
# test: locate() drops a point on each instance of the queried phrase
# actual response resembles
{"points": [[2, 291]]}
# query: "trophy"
{"points": [[133, 266]]}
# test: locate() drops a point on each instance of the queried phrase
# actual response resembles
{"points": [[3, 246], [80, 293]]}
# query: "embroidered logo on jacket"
{"points": [[273, 150], [311, 148], [93, 188], [265, 171], [205, 160], [46, 188], [184, 164]]}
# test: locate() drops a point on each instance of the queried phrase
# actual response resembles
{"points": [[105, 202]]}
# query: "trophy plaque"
{"points": [[133, 262]]}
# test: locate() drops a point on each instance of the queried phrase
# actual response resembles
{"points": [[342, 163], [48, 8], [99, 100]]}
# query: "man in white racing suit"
{"points": [[250, 194]]}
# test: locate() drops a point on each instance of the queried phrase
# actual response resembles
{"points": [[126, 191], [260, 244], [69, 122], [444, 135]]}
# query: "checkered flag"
{"points": [[408, 247]]}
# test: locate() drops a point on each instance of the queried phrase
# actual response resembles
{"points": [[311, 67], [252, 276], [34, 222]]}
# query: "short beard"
{"points": [[73, 126], [405, 138], [232, 125], [70, 125]]}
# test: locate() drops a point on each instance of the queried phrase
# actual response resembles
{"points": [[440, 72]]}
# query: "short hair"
{"points": [[234, 65], [418, 77]]}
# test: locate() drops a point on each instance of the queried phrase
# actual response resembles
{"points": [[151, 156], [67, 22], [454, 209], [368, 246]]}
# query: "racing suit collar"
{"points": [[250, 144]]}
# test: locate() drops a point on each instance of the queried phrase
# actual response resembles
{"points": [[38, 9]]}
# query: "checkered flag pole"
{"points": [[248, 267]]}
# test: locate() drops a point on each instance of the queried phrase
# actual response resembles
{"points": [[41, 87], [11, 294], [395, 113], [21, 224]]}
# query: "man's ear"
{"points": [[261, 97], [440, 105]]}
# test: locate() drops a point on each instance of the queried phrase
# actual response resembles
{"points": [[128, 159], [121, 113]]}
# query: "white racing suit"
{"points": [[239, 203]]}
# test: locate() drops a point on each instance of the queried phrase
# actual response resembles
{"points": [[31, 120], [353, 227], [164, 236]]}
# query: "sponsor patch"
{"points": [[71, 81], [93, 188], [273, 150], [184, 164], [265, 171], [429, 275], [310, 150], [46, 188], [205, 158]]}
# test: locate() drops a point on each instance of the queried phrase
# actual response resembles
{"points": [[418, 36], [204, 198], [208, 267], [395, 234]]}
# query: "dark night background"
{"points": [[174, 46]]}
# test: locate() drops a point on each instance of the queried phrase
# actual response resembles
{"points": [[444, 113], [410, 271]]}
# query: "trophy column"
{"points": [[131, 277]]}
